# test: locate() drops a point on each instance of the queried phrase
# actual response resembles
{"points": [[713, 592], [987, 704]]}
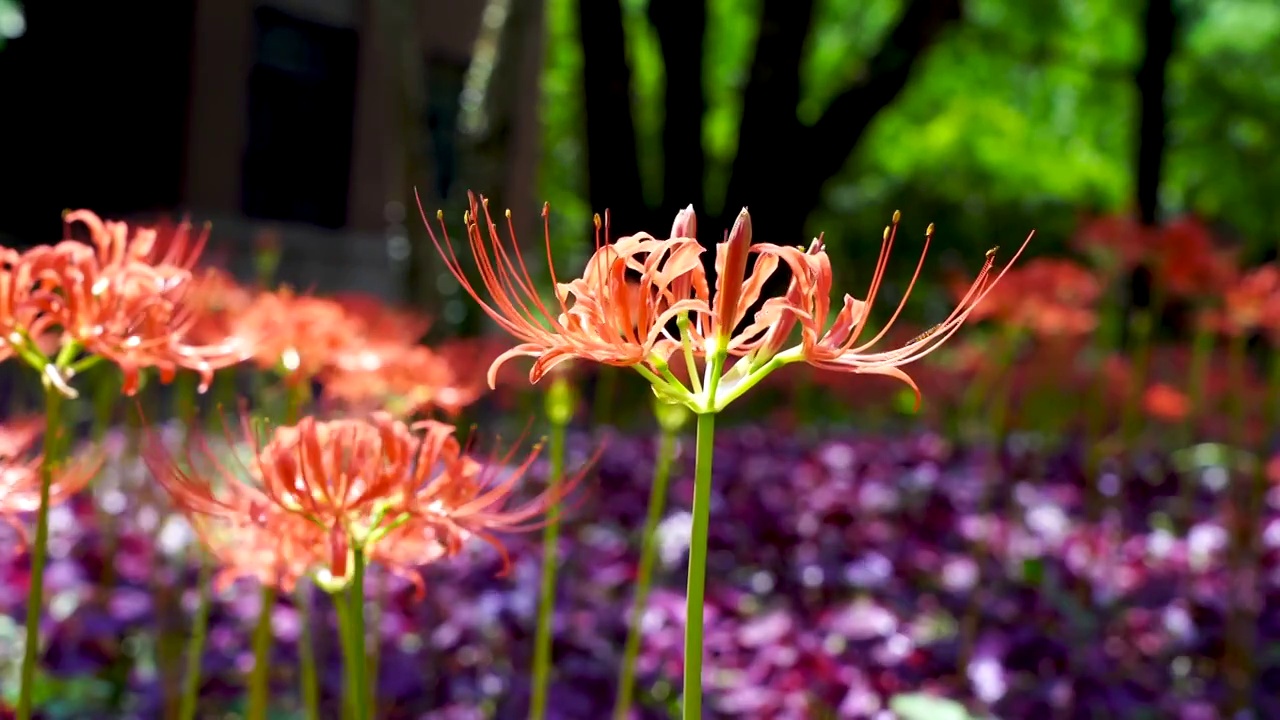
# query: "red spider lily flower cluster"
{"points": [[1251, 304], [1182, 252], [121, 297], [366, 355], [317, 492], [620, 311], [20, 478], [1046, 297]]}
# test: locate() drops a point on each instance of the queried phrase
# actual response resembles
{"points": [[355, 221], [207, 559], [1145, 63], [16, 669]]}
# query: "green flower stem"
{"points": [[349, 689], [39, 552], [350, 605], [259, 685], [359, 644], [1244, 497], [310, 686], [184, 399], [994, 390], [696, 588], [1201, 353], [106, 392], [606, 389], [648, 556], [550, 562], [308, 679], [224, 396], [195, 650], [1144, 326], [375, 650]]}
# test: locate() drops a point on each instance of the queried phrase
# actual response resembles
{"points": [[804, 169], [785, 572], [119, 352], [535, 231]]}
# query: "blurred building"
{"points": [[294, 118]]}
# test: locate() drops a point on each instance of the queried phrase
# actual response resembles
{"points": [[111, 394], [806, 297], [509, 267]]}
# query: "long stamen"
{"points": [[911, 352], [551, 266], [928, 237], [522, 278], [886, 247]]}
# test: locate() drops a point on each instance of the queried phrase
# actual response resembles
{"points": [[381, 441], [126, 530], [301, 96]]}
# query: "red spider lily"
{"points": [[382, 322], [276, 548], [599, 317], [1047, 297], [20, 318], [1189, 262], [618, 312], [1117, 243], [216, 299], [1166, 403], [20, 477], [1182, 252], [807, 302], [324, 490], [119, 298], [1250, 304], [402, 379], [298, 334]]}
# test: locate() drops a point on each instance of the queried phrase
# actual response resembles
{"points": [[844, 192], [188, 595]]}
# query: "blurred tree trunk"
{"points": [[395, 23], [781, 163], [499, 142], [1159, 28], [613, 163], [784, 164], [461, 108], [681, 27]]}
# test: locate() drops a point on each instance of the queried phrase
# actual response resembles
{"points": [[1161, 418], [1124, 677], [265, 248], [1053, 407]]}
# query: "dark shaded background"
{"points": [[312, 120]]}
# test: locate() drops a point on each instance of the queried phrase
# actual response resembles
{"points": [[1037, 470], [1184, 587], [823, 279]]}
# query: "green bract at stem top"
{"points": [[715, 389]]}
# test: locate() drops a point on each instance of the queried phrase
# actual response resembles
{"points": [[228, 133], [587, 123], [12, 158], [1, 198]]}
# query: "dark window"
{"points": [[95, 98], [297, 164]]}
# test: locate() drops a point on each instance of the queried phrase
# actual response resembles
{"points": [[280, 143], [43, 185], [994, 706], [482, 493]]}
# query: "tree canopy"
{"points": [[1010, 115]]}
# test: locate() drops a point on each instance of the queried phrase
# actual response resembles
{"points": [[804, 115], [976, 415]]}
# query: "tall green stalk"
{"points": [[259, 677], [1144, 324], [1201, 353], [670, 419], [39, 552], [350, 604], [605, 395], [375, 650], [697, 582], [996, 393], [309, 684], [560, 404], [1241, 505], [195, 650]]}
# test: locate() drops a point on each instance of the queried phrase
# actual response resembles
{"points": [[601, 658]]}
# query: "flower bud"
{"points": [[685, 225], [672, 417], [731, 271], [560, 401]]}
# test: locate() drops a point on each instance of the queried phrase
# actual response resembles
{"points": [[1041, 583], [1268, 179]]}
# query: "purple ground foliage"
{"points": [[844, 570]]}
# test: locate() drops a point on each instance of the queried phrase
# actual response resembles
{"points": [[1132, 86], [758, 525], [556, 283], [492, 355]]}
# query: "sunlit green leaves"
{"points": [[1021, 114], [648, 78], [732, 27], [12, 22], [563, 181], [844, 36], [1225, 91]]}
